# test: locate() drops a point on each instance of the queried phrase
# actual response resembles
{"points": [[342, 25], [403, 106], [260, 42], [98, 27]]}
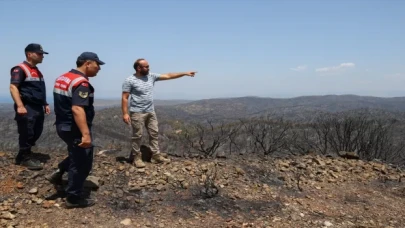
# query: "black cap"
{"points": [[90, 56], [37, 48]]}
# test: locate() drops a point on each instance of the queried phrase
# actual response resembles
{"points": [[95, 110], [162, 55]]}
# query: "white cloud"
{"points": [[395, 77], [300, 68], [342, 66]]}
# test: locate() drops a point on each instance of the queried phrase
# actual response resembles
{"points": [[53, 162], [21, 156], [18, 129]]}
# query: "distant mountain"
{"points": [[7, 105], [296, 108], [109, 127], [117, 102]]}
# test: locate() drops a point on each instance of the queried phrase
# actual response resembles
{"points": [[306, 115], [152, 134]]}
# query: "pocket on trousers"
{"points": [[135, 117], [30, 122], [65, 128]]}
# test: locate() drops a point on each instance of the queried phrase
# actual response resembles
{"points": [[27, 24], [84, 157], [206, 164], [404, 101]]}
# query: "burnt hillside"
{"points": [[236, 121]]}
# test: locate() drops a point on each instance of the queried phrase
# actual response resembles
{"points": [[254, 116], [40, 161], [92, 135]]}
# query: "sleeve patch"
{"points": [[17, 75], [83, 95]]}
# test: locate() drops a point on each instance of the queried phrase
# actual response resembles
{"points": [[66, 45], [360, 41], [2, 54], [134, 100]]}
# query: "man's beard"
{"points": [[144, 73]]}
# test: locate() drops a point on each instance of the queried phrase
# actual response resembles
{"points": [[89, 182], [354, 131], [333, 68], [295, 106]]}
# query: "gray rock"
{"points": [[33, 190]]}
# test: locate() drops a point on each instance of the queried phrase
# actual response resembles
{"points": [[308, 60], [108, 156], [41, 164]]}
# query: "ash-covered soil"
{"points": [[242, 191]]}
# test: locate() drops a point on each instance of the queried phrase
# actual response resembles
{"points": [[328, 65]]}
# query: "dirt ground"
{"points": [[245, 191]]}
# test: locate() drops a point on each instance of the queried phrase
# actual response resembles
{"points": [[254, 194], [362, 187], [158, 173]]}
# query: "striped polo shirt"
{"points": [[141, 92]]}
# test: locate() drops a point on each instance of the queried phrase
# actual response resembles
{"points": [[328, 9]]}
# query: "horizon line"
{"points": [[3, 99]]}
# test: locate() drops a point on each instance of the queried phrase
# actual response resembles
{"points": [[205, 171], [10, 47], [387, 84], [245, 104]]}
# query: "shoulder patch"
{"points": [[83, 94]]}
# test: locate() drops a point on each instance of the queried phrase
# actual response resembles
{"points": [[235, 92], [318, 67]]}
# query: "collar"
{"points": [[142, 76], [29, 65], [74, 71]]}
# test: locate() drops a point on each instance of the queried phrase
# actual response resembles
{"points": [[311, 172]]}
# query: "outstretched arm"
{"points": [[169, 76]]}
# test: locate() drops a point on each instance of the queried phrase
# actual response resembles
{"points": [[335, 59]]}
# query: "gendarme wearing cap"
{"points": [[90, 56], [37, 48]]}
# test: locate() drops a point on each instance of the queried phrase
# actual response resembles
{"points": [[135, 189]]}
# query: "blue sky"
{"points": [[239, 48]]}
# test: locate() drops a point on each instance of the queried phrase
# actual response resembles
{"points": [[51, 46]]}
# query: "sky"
{"points": [[265, 48]]}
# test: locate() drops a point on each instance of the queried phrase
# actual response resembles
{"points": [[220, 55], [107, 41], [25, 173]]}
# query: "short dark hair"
{"points": [[136, 64], [80, 62]]}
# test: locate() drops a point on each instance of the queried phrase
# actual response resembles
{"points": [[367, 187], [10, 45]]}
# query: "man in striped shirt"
{"points": [[141, 109]]}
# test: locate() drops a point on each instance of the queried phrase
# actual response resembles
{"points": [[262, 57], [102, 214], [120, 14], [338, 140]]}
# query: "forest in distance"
{"points": [[371, 126]]}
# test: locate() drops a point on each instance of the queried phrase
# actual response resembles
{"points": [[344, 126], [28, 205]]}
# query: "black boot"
{"points": [[81, 203], [55, 177], [24, 158], [21, 156], [31, 164]]}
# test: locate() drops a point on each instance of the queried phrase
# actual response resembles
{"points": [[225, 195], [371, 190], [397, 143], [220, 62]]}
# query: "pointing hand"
{"points": [[191, 73]]}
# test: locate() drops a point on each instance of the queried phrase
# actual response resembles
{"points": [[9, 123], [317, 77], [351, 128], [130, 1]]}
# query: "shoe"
{"points": [[138, 161], [158, 158], [31, 164], [55, 178], [22, 155], [58, 194], [79, 203]]}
